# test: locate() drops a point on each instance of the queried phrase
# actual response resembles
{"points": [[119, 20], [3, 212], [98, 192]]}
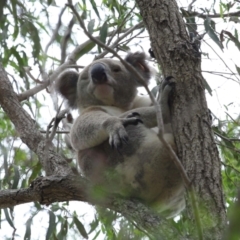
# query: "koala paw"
{"points": [[116, 129], [118, 137], [168, 82]]}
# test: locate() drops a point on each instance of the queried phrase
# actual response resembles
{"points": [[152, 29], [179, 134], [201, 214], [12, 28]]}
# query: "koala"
{"points": [[117, 146]]}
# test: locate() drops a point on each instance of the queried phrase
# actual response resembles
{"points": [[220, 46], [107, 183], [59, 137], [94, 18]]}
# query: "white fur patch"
{"points": [[104, 93]]}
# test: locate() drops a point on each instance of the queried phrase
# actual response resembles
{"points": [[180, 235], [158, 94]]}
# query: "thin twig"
{"points": [[221, 75], [76, 66], [115, 44], [58, 132], [121, 25], [227, 139], [50, 135], [27, 70], [65, 39], [220, 58], [232, 149], [216, 72], [217, 15], [227, 165], [55, 31], [190, 5]]}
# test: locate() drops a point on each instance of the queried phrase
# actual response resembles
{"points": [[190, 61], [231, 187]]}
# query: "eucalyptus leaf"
{"points": [[211, 33], [52, 224], [91, 26], [80, 227], [104, 32]]}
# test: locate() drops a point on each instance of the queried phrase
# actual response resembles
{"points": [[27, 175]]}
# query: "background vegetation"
{"points": [[42, 37]]}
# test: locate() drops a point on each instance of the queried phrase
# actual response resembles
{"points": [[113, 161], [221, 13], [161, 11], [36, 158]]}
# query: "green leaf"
{"points": [[94, 6], [52, 224], [36, 40], [36, 170], [42, 27], [206, 85], [211, 32], [232, 38], [97, 234], [93, 225], [238, 69], [27, 235], [15, 53], [104, 32], [16, 177], [80, 227], [221, 10], [8, 218], [64, 229], [88, 46], [191, 21], [91, 26], [49, 2]]}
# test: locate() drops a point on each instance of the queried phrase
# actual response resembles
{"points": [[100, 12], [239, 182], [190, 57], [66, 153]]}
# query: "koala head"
{"points": [[104, 82]]}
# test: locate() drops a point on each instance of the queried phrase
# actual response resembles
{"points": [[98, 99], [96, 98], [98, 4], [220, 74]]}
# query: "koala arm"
{"points": [[95, 125], [148, 114], [87, 130]]}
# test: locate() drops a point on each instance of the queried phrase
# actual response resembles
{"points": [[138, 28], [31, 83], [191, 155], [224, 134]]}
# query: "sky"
{"points": [[225, 94]]}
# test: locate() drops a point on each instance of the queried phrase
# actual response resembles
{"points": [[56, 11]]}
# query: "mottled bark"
{"points": [[27, 129], [194, 138], [47, 190]]}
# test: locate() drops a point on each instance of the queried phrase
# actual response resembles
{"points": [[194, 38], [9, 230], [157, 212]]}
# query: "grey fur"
{"points": [[113, 136]]}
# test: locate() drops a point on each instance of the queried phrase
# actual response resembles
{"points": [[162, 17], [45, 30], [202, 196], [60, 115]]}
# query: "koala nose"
{"points": [[98, 74]]}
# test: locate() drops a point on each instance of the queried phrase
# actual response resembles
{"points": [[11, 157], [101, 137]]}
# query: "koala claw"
{"points": [[132, 119], [118, 138], [133, 114]]}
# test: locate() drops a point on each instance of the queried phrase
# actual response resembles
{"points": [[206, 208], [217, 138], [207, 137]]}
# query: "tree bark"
{"points": [[191, 124]]}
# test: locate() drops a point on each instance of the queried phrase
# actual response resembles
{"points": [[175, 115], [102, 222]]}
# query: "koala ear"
{"points": [[138, 61], [66, 86]]}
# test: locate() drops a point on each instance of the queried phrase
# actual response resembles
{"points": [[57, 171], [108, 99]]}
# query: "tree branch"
{"points": [[27, 127], [217, 15], [47, 190], [54, 36]]}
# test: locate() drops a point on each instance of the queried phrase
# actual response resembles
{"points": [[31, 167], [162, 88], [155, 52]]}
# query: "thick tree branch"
{"points": [[27, 127], [191, 126], [47, 190]]}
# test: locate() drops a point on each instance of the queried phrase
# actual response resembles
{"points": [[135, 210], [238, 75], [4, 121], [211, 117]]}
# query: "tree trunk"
{"points": [[192, 129]]}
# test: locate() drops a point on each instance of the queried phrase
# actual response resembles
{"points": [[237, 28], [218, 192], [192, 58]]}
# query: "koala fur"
{"points": [[114, 138]]}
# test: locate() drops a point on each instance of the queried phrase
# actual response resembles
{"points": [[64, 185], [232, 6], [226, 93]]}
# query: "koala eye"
{"points": [[116, 68]]}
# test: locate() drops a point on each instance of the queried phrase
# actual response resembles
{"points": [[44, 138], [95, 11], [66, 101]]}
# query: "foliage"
{"points": [[36, 37]]}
